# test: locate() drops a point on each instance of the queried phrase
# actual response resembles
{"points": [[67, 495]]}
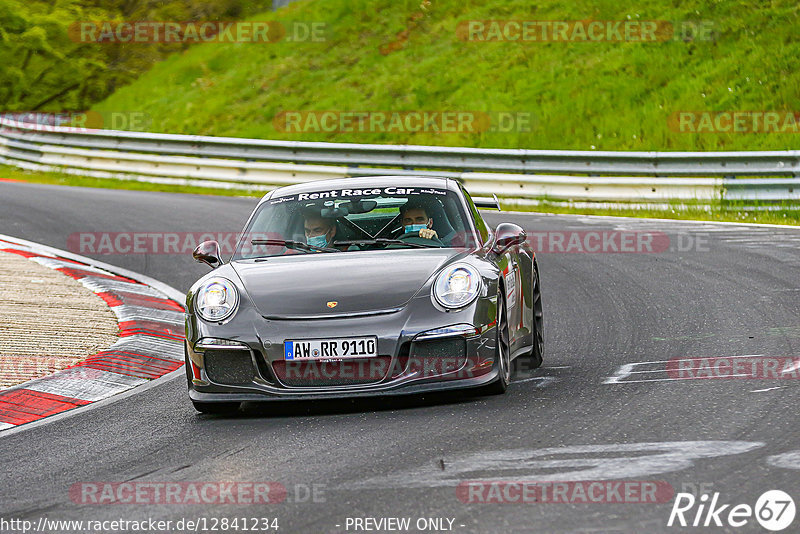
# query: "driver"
{"points": [[319, 231], [414, 217]]}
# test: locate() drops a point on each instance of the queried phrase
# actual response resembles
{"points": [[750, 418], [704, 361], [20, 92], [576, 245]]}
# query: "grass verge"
{"points": [[752, 213], [377, 56]]}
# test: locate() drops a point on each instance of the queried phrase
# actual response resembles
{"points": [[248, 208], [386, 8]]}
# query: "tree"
{"points": [[46, 66]]}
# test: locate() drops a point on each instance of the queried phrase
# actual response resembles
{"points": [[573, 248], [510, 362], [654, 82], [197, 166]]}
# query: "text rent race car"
{"points": [[362, 286]]}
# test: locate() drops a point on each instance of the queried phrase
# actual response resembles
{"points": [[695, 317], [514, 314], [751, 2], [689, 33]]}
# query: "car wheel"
{"points": [[503, 351], [537, 351], [218, 408]]}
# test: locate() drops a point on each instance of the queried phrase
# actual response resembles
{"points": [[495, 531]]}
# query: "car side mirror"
{"points": [[208, 252], [507, 235]]}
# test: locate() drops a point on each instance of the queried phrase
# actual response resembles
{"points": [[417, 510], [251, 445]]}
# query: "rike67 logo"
{"points": [[774, 510]]}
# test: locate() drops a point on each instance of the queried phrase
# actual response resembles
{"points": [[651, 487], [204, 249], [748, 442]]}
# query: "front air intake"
{"points": [[437, 357], [229, 367]]}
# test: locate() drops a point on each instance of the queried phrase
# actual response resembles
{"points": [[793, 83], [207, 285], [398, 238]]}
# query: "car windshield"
{"points": [[353, 220]]}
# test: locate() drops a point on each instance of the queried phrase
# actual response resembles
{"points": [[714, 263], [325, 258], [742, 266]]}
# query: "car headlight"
{"points": [[457, 285], [217, 300]]}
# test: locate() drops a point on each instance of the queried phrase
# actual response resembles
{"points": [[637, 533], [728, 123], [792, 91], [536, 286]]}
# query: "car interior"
{"points": [[356, 220]]}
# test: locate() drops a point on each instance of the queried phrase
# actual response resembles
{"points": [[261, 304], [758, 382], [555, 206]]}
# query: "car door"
{"points": [[516, 267]]}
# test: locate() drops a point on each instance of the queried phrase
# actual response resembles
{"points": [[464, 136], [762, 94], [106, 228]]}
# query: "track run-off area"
{"points": [[672, 365]]}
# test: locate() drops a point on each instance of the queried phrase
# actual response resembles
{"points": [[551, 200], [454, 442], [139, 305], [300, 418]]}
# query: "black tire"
{"points": [[502, 350], [216, 408], [537, 350]]}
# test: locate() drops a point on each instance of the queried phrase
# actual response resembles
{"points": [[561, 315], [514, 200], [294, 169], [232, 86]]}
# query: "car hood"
{"points": [[358, 282]]}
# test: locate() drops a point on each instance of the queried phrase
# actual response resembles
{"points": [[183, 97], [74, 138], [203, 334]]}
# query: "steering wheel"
{"points": [[413, 237]]}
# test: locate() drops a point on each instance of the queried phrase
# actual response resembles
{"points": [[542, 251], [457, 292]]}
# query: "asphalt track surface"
{"points": [[736, 293]]}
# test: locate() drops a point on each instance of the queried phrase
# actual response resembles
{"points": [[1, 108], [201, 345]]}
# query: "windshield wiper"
{"points": [[385, 241], [297, 245]]}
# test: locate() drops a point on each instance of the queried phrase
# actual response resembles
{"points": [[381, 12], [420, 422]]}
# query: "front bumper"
{"points": [[455, 351]]}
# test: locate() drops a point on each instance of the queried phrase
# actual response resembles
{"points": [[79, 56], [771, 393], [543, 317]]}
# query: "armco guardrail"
{"points": [[611, 176]]}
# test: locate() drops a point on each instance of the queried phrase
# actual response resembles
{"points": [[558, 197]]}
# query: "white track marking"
{"points": [[54, 263], [561, 463], [140, 313], [627, 370], [102, 285], [544, 380], [85, 383], [766, 389], [150, 346], [793, 368], [787, 460]]}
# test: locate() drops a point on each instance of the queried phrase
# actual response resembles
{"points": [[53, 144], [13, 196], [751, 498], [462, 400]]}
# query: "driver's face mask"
{"points": [[415, 227], [318, 241]]}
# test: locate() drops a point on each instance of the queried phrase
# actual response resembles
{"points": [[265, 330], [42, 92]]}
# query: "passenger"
{"points": [[414, 217]]}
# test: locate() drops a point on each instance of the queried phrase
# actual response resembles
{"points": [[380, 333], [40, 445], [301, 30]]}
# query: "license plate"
{"points": [[323, 349]]}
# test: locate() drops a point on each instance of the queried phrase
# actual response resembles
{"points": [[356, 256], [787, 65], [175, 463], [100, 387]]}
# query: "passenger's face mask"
{"points": [[415, 228], [318, 241]]}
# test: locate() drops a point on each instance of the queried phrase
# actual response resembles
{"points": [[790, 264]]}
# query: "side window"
{"points": [[480, 225]]}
